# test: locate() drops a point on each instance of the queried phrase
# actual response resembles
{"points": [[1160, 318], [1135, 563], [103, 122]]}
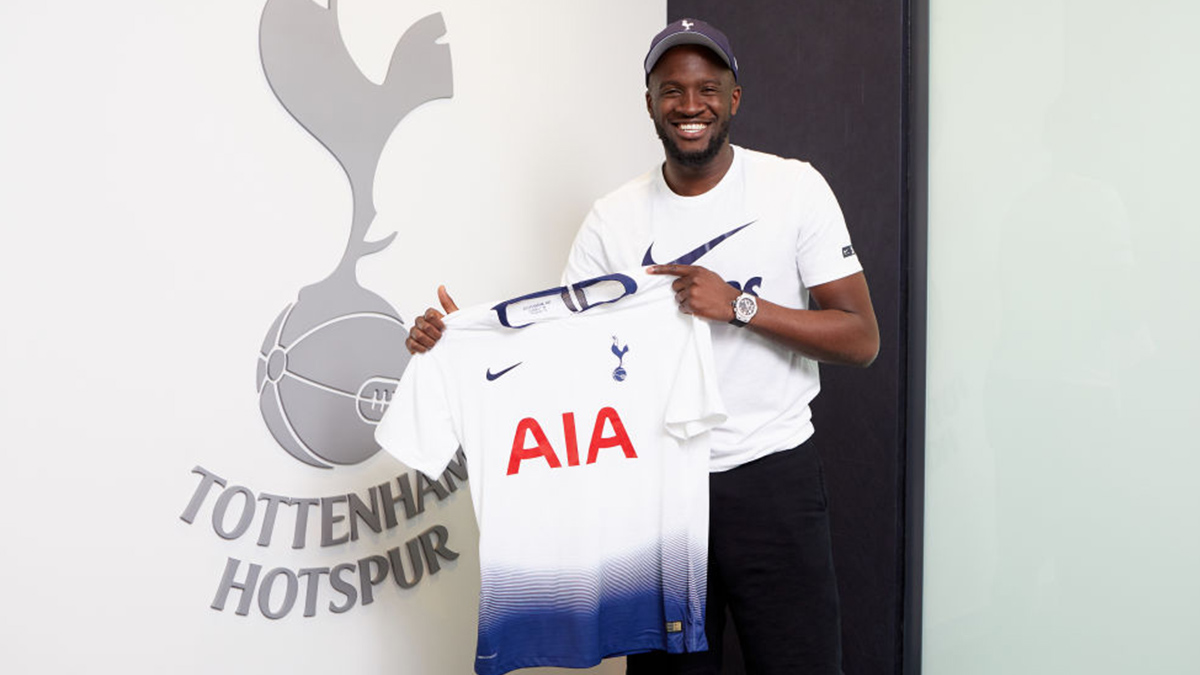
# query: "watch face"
{"points": [[745, 308]]}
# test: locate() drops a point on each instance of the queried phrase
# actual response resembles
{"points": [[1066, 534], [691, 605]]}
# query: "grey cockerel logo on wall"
{"points": [[331, 360]]}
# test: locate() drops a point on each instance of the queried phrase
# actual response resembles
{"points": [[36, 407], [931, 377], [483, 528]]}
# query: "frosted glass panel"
{"points": [[1062, 505]]}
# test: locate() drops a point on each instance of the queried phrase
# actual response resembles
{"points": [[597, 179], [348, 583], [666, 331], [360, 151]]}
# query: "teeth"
{"points": [[692, 127]]}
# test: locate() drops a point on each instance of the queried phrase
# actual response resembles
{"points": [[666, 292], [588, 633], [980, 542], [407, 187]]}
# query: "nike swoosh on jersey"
{"points": [[492, 376], [696, 253]]}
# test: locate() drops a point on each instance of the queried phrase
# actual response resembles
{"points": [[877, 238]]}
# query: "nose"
{"points": [[692, 103]]}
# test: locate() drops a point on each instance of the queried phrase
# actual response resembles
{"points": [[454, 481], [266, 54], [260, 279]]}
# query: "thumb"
{"points": [[446, 300]]}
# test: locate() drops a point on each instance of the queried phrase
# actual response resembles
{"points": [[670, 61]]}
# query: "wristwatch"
{"points": [[744, 308]]}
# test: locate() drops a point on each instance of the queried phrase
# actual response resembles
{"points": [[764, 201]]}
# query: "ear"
{"points": [[649, 104], [735, 99]]}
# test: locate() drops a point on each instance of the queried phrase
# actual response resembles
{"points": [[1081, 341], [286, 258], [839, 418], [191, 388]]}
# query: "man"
{"points": [[771, 236]]}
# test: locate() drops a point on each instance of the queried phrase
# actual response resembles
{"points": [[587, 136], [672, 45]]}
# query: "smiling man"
{"points": [[769, 238], [782, 240]]}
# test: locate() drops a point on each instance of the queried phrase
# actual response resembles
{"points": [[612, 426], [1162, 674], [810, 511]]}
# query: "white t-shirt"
{"points": [[783, 234], [586, 437]]}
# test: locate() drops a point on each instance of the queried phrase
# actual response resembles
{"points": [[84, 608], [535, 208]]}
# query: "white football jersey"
{"points": [[583, 412]]}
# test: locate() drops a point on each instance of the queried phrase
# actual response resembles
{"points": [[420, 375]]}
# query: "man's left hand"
{"points": [[700, 291]]}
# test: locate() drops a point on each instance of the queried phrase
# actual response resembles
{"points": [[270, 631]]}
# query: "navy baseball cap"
{"points": [[690, 32]]}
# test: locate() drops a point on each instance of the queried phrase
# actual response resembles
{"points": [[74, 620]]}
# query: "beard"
{"points": [[699, 157]]}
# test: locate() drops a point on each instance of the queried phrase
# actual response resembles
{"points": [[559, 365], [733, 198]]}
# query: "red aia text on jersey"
{"points": [[542, 448]]}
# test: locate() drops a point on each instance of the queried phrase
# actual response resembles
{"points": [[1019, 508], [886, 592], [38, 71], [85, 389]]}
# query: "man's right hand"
{"points": [[428, 327]]}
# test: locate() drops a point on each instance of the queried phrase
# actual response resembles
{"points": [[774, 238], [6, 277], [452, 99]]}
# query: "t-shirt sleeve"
{"points": [[419, 427], [695, 404], [824, 252], [587, 258]]}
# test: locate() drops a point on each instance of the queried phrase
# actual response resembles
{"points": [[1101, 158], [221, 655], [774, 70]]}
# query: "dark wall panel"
{"points": [[825, 82]]}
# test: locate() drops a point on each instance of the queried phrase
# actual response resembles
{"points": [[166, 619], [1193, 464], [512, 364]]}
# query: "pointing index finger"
{"points": [[676, 270]]}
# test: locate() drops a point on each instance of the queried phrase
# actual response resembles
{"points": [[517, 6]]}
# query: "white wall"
{"points": [[159, 209], [1061, 513]]}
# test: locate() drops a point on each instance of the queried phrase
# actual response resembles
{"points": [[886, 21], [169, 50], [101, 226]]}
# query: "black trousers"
{"points": [[770, 563]]}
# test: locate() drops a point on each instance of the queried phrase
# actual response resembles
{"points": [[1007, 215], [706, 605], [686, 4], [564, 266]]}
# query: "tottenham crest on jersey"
{"points": [[619, 351]]}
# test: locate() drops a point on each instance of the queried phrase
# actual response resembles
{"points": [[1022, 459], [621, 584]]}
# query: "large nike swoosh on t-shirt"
{"points": [[696, 253]]}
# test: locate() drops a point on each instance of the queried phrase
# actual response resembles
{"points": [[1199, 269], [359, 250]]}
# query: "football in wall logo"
{"points": [[330, 362]]}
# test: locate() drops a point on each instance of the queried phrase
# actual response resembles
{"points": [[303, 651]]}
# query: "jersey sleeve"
{"points": [[824, 252], [695, 404], [587, 258], [419, 428]]}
